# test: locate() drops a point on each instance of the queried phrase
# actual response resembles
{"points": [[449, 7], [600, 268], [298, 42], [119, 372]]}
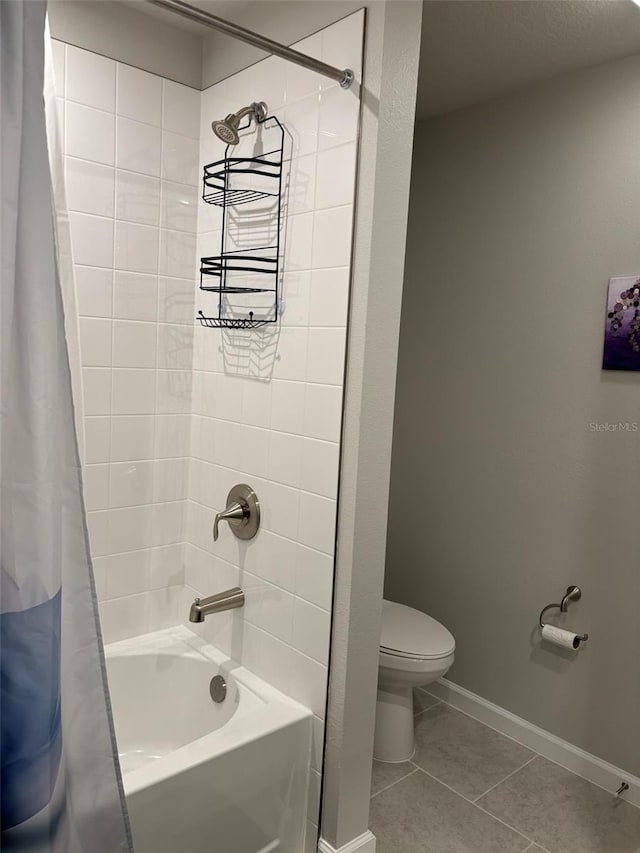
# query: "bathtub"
{"points": [[228, 777]]}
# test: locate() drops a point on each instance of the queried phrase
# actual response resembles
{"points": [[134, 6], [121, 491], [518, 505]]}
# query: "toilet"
{"points": [[414, 650]]}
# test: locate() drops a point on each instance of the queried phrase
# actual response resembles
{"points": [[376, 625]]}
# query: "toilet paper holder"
{"points": [[573, 593]]}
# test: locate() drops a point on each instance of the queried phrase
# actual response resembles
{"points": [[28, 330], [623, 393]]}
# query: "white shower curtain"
{"points": [[60, 785]]}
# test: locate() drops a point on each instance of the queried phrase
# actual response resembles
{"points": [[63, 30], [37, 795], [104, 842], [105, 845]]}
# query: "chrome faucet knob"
{"points": [[242, 513]]}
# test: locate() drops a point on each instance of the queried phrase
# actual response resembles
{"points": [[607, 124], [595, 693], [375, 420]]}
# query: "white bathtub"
{"points": [[201, 776]]}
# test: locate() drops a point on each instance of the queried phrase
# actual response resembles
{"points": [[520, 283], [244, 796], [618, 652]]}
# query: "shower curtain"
{"points": [[60, 785]]}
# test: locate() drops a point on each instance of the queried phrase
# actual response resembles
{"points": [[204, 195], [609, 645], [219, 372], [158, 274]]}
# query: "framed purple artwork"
{"points": [[622, 327]]}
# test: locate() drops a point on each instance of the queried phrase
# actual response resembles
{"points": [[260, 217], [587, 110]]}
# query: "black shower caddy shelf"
{"points": [[261, 261]]}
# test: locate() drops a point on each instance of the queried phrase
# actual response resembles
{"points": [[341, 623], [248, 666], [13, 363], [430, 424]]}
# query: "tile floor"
{"points": [[469, 789]]}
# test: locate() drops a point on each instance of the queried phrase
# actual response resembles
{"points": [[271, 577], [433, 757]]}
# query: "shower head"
{"points": [[226, 129]]}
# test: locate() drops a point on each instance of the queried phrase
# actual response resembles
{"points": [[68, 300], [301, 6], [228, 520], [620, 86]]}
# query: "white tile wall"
{"points": [[136, 329], [268, 412], [175, 414]]}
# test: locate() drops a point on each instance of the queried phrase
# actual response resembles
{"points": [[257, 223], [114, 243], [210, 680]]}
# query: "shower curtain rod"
{"points": [[343, 76]]}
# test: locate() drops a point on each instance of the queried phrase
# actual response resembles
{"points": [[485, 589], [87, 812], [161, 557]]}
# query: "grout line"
{"points": [[386, 788], [472, 803], [424, 710], [508, 776]]}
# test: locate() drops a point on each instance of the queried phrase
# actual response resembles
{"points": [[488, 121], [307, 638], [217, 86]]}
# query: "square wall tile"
{"points": [[133, 392], [177, 254], [172, 434], [137, 198], [122, 618], [136, 248], [294, 304], [139, 147], [287, 406], [90, 134], [94, 291], [291, 362], [139, 95], [130, 529], [180, 159], [268, 607], [266, 656], [285, 458], [179, 207], [91, 240], [176, 300], [91, 79], [329, 297], [326, 356], [338, 117], [90, 187], [319, 467], [332, 237], [314, 577], [317, 527], [323, 412], [181, 109], [256, 402], [128, 573], [174, 392], [131, 483], [311, 629], [134, 344], [175, 347], [132, 437], [335, 176], [135, 296]]}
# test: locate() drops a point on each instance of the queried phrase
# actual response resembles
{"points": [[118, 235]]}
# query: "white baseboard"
{"points": [[365, 843], [588, 766]]}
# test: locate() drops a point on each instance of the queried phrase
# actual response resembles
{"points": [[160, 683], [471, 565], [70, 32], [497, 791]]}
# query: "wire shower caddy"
{"points": [[245, 271]]}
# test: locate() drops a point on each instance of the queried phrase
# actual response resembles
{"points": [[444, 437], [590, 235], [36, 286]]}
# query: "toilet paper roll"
{"points": [[560, 637]]}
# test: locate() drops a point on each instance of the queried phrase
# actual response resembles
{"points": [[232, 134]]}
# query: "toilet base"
{"points": [[394, 724]]}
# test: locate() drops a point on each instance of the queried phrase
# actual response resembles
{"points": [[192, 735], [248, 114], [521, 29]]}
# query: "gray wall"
{"points": [[501, 494]]}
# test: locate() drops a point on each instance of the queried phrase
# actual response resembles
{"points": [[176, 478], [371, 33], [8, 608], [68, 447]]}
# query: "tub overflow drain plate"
{"points": [[218, 688]]}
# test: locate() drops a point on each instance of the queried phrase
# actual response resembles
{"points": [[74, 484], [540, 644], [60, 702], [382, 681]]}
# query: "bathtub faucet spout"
{"points": [[227, 600]]}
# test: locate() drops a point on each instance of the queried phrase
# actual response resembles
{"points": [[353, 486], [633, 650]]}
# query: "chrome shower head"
{"points": [[227, 128]]}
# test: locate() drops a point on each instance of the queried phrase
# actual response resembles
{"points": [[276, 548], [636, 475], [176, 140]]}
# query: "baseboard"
{"points": [[365, 843], [588, 766]]}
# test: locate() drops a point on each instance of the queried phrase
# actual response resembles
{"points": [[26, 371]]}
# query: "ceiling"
{"points": [[475, 50], [471, 50]]}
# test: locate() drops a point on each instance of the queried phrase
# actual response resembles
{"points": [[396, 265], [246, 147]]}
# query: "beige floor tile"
{"points": [[419, 815], [463, 753], [563, 812]]}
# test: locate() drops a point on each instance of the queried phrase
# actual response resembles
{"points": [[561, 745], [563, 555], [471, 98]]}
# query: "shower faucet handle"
{"points": [[242, 513], [233, 511]]}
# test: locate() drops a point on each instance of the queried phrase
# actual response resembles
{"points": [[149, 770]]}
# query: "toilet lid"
{"points": [[410, 633]]}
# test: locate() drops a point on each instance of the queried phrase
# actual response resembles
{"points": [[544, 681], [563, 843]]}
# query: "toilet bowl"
{"points": [[414, 651]]}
